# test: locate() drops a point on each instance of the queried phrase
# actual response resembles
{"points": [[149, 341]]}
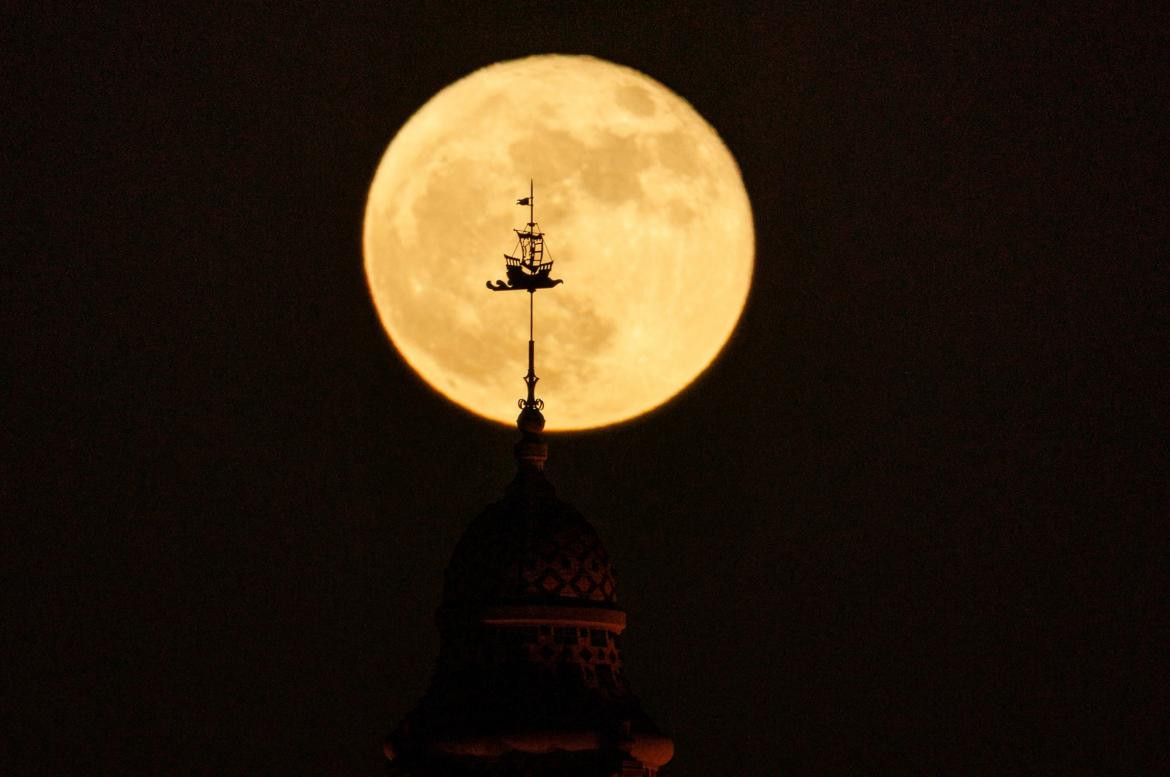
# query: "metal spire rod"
{"points": [[531, 378]]}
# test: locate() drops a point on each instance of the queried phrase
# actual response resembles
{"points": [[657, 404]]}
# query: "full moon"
{"points": [[644, 213]]}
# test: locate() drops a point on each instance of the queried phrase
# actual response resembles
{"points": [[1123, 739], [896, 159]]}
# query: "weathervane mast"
{"points": [[528, 271], [531, 205]]}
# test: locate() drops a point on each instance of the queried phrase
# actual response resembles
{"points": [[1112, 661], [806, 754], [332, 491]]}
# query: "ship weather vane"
{"points": [[528, 268]]}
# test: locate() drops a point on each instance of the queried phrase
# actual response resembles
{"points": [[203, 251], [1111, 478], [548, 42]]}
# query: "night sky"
{"points": [[911, 520]]}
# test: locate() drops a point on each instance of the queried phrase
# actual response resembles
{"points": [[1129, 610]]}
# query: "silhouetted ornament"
{"points": [[530, 270]]}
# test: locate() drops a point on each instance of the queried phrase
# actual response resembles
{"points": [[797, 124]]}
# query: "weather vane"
{"points": [[529, 271]]}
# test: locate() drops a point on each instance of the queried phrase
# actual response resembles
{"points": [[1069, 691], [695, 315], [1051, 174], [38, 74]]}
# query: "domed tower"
{"points": [[529, 678]]}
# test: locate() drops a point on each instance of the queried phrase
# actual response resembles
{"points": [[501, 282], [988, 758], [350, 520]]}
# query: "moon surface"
{"points": [[644, 214]]}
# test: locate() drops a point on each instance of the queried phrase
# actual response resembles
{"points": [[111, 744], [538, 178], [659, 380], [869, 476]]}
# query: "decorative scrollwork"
{"points": [[523, 403]]}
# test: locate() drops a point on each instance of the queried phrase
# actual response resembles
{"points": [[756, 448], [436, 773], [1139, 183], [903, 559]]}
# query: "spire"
{"points": [[528, 268]]}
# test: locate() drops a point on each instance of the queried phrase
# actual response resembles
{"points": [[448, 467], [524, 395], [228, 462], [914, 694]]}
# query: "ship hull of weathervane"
{"points": [[519, 278]]}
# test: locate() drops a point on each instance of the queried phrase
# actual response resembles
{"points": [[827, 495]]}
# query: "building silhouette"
{"points": [[529, 679]]}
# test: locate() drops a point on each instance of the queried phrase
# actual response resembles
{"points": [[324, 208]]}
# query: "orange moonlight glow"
{"points": [[644, 212]]}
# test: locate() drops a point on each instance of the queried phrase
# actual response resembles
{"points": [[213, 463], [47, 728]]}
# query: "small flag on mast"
{"points": [[524, 201]]}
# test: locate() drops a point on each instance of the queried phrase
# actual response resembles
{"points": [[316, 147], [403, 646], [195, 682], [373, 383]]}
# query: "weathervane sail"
{"points": [[528, 268]]}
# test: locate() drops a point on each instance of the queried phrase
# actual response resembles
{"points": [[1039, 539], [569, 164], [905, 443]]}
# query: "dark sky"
{"points": [[911, 521]]}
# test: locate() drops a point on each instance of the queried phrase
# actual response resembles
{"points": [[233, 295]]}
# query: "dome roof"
{"points": [[530, 678], [530, 548]]}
